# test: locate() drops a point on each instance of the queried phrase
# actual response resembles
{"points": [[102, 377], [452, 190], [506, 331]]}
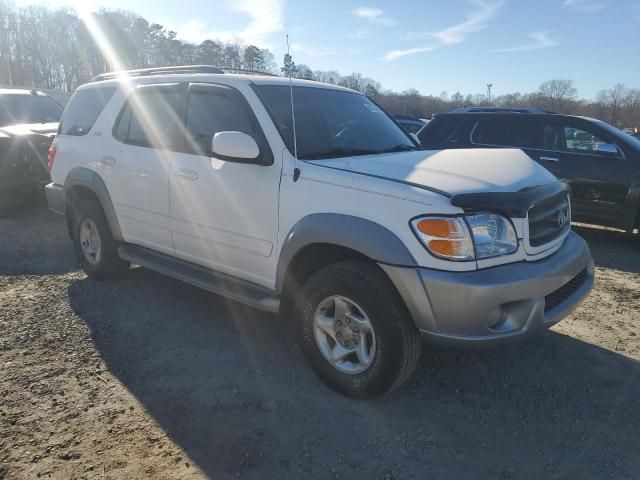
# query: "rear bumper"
{"points": [[497, 304], [55, 197]]}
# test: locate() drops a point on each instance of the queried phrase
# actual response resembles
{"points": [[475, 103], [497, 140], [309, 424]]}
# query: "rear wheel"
{"points": [[356, 333], [95, 248]]}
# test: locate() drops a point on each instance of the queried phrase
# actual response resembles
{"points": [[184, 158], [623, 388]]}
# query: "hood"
{"points": [[46, 129], [451, 171]]}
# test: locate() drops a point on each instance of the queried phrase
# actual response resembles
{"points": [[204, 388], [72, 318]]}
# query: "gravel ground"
{"points": [[147, 377]]}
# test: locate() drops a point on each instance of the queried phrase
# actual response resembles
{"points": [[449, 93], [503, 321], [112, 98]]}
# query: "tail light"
{"points": [[51, 155]]}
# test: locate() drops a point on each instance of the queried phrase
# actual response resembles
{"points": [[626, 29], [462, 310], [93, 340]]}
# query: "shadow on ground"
{"points": [[32, 225], [229, 386], [612, 248]]}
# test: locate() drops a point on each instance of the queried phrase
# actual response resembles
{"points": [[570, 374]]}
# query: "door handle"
{"points": [[187, 174], [107, 160], [550, 159]]}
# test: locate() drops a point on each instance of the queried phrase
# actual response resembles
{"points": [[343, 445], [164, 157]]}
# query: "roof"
{"points": [[296, 82], [203, 73], [499, 110]]}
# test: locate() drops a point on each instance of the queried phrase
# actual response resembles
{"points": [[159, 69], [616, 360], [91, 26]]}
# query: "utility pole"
{"points": [[489, 86]]}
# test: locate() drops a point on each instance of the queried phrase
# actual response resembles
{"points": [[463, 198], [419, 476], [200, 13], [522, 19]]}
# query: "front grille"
{"points": [[548, 220], [559, 296]]}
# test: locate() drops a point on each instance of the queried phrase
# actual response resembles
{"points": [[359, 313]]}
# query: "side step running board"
{"points": [[216, 282]]}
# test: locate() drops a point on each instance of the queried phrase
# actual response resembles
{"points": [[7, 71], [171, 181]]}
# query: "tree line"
{"points": [[619, 105], [55, 49]]}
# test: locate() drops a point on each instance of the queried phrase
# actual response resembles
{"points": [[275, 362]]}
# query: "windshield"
{"points": [[332, 123], [18, 109]]}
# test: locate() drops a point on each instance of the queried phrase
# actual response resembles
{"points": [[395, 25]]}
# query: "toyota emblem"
{"points": [[563, 218]]}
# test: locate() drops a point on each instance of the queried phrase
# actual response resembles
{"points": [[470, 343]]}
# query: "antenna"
{"points": [[296, 170]]}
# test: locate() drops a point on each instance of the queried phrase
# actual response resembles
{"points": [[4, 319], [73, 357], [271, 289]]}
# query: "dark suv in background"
{"points": [[28, 124], [600, 162]]}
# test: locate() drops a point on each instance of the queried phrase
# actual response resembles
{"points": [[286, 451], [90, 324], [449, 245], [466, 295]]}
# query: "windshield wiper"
{"points": [[352, 152], [337, 153]]}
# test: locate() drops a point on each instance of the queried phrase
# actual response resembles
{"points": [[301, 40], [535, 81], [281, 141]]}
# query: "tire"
{"points": [[393, 347], [104, 263]]}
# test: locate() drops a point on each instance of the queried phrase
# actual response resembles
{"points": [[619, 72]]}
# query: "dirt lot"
{"points": [[150, 378]]}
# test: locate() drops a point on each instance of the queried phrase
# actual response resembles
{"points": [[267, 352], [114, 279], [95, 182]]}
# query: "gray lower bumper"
{"points": [[497, 304], [55, 197]]}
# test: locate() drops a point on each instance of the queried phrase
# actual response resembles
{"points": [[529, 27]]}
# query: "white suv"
{"points": [[341, 224]]}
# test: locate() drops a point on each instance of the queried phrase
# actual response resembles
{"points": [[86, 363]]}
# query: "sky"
{"points": [[430, 45]]}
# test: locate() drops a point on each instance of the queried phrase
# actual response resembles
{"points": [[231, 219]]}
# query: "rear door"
{"points": [[514, 131], [136, 158], [599, 182]]}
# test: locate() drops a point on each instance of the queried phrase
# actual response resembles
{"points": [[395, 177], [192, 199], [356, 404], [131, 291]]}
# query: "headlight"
{"points": [[493, 235], [454, 238]]}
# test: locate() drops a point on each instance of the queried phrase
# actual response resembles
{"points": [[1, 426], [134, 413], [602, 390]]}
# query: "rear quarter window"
{"points": [[83, 109], [440, 131]]}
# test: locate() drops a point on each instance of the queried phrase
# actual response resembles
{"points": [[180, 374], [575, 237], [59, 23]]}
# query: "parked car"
{"points": [[361, 240], [28, 122], [410, 124], [630, 131], [601, 163]]}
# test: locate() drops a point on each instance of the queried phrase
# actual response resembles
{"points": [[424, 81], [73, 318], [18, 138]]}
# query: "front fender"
{"points": [[364, 236]]}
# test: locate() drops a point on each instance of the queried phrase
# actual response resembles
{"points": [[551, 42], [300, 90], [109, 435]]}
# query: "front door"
{"points": [[599, 181], [224, 214]]}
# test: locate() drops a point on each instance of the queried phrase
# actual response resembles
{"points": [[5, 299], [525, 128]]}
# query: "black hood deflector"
{"points": [[512, 204]]}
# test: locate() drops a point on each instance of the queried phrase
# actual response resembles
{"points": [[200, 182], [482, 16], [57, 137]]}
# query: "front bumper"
{"points": [[500, 303]]}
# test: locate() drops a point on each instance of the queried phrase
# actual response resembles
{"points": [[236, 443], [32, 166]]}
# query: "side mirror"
{"points": [[608, 149], [235, 147]]}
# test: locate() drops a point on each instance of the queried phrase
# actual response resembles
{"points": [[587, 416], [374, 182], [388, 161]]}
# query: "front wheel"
{"points": [[356, 333]]}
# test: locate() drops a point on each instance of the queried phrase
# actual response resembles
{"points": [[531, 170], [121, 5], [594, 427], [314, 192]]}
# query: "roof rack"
{"points": [[143, 72], [497, 110], [244, 70]]}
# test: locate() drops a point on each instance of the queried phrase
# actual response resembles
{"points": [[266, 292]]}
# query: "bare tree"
{"points": [[29, 58], [558, 95], [304, 72]]}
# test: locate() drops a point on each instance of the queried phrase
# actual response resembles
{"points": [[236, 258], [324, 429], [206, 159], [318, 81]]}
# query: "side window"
{"points": [[441, 131], [83, 110], [507, 134], [121, 130], [218, 109], [153, 118], [553, 138], [5, 118], [581, 141]]}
